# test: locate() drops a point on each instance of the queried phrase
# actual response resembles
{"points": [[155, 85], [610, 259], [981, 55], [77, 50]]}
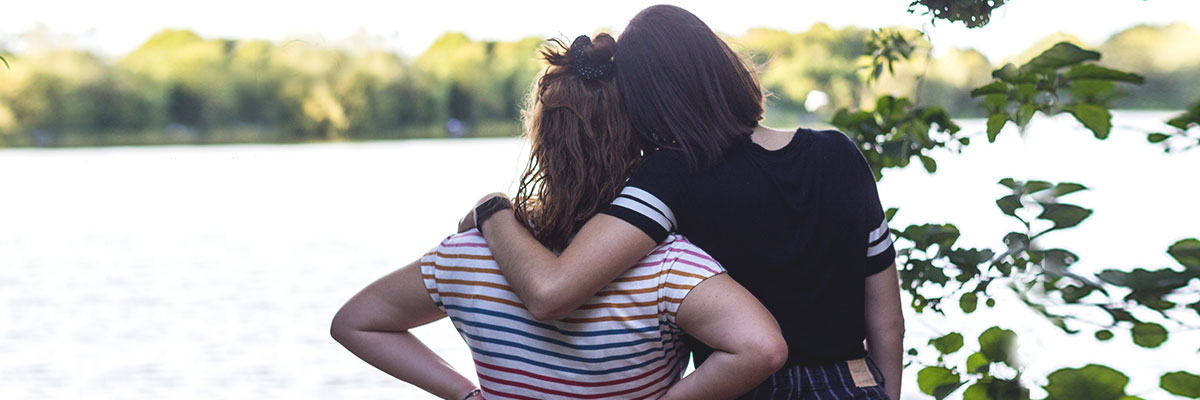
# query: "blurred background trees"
{"points": [[179, 87]]}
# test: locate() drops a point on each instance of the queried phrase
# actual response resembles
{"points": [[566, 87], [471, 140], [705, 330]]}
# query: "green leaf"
{"points": [[1104, 335], [1032, 187], [978, 363], [977, 391], [995, 123], [1187, 253], [924, 236], [968, 302], [1062, 54], [5, 63], [968, 261], [891, 212], [1157, 137], [990, 388], [1009, 204], [1073, 293], [1092, 382], [1025, 113], [1119, 315], [1092, 91], [1181, 383], [1095, 118], [1066, 188], [948, 344], [1025, 92], [929, 164], [998, 344], [996, 87], [1008, 73], [995, 103], [1096, 72], [1149, 335], [1009, 183], [930, 379], [1064, 215]]}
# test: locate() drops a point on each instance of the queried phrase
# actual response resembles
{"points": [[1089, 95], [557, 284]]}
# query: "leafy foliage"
{"points": [[1092, 382], [1187, 131], [896, 131], [1058, 80], [973, 13], [1181, 383], [932, 269], [887, 47], [938, 381]]}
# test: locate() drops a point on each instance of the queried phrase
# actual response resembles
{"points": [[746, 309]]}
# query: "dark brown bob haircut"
{"points": [[582, 148], [684, 88]]}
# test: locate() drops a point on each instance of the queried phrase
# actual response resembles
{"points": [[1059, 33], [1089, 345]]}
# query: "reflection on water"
{"points": [[212, 272]]}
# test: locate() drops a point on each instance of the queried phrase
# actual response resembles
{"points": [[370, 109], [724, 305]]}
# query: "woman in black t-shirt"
{"points": [[794, 216]]}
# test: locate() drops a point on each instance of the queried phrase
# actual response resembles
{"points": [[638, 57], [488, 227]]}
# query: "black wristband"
{"points": [[472, 394], [485, 210]]}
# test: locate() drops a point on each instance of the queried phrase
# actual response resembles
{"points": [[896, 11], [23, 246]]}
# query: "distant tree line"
{"points": [[179, 87]]}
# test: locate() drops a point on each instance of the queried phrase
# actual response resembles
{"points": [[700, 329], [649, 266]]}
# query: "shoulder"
{"points": [[466, 246], [829, 140], [664, 160], [684, 258], [833, 147]]}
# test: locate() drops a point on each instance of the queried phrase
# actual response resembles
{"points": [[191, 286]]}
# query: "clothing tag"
{"points": [[861, 374]]}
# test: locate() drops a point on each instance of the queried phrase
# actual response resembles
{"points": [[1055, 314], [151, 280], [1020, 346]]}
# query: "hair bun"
{"points": [[590, 60]]}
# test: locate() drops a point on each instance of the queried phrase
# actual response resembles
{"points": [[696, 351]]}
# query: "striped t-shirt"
{"points": [[623, 343]]}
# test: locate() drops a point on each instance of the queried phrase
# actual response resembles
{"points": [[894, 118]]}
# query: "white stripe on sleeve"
{"points": [[878, 232], [640, 208], [879, 248], [651, 200]]}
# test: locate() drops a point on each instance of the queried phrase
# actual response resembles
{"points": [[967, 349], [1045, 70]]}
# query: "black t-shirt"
{"points": [[800, 227]]}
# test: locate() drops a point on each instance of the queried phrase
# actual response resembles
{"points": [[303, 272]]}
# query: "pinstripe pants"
{"points": [[842, 380]]}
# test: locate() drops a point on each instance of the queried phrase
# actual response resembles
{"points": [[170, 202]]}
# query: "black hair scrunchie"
{"points": [[582, 64]]}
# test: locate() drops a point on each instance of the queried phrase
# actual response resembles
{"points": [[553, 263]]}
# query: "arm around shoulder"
{"points": [[552, 286]]}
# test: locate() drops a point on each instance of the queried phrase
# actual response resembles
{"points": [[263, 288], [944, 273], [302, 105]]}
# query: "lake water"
{"points": [[212, 272]]}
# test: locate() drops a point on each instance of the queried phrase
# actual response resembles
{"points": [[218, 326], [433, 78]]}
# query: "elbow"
{"points": [[338, 328], [775, 354], [769, 353], [342, 327], [546, 304], [544, 309], [545, 315]]}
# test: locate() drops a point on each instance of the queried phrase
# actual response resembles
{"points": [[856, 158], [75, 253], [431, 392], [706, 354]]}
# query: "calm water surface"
{"points": [[213, 272]]}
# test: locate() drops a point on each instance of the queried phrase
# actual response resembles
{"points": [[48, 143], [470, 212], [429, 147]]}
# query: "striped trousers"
{"points": [[854, 379]]}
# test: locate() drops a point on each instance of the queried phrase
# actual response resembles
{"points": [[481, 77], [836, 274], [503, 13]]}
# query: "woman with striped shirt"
{"points": [[794, 216], [625, 341]]}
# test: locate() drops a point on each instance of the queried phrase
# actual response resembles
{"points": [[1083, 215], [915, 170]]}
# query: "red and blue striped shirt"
{"points": [[623, 343]]}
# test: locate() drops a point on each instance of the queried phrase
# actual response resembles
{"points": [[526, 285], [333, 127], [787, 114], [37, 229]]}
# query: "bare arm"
{"points": [[747, 344], [885, 327], [374, 326], [553, 286]]}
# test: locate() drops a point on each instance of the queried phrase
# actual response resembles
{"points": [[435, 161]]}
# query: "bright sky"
{"points": [[117, 26]]}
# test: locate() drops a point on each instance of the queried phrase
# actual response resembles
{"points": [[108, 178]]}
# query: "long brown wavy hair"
{"points": [[583, 148]]}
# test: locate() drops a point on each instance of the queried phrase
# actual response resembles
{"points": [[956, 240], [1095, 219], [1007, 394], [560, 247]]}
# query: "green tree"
{"points": [[937, 274]]}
